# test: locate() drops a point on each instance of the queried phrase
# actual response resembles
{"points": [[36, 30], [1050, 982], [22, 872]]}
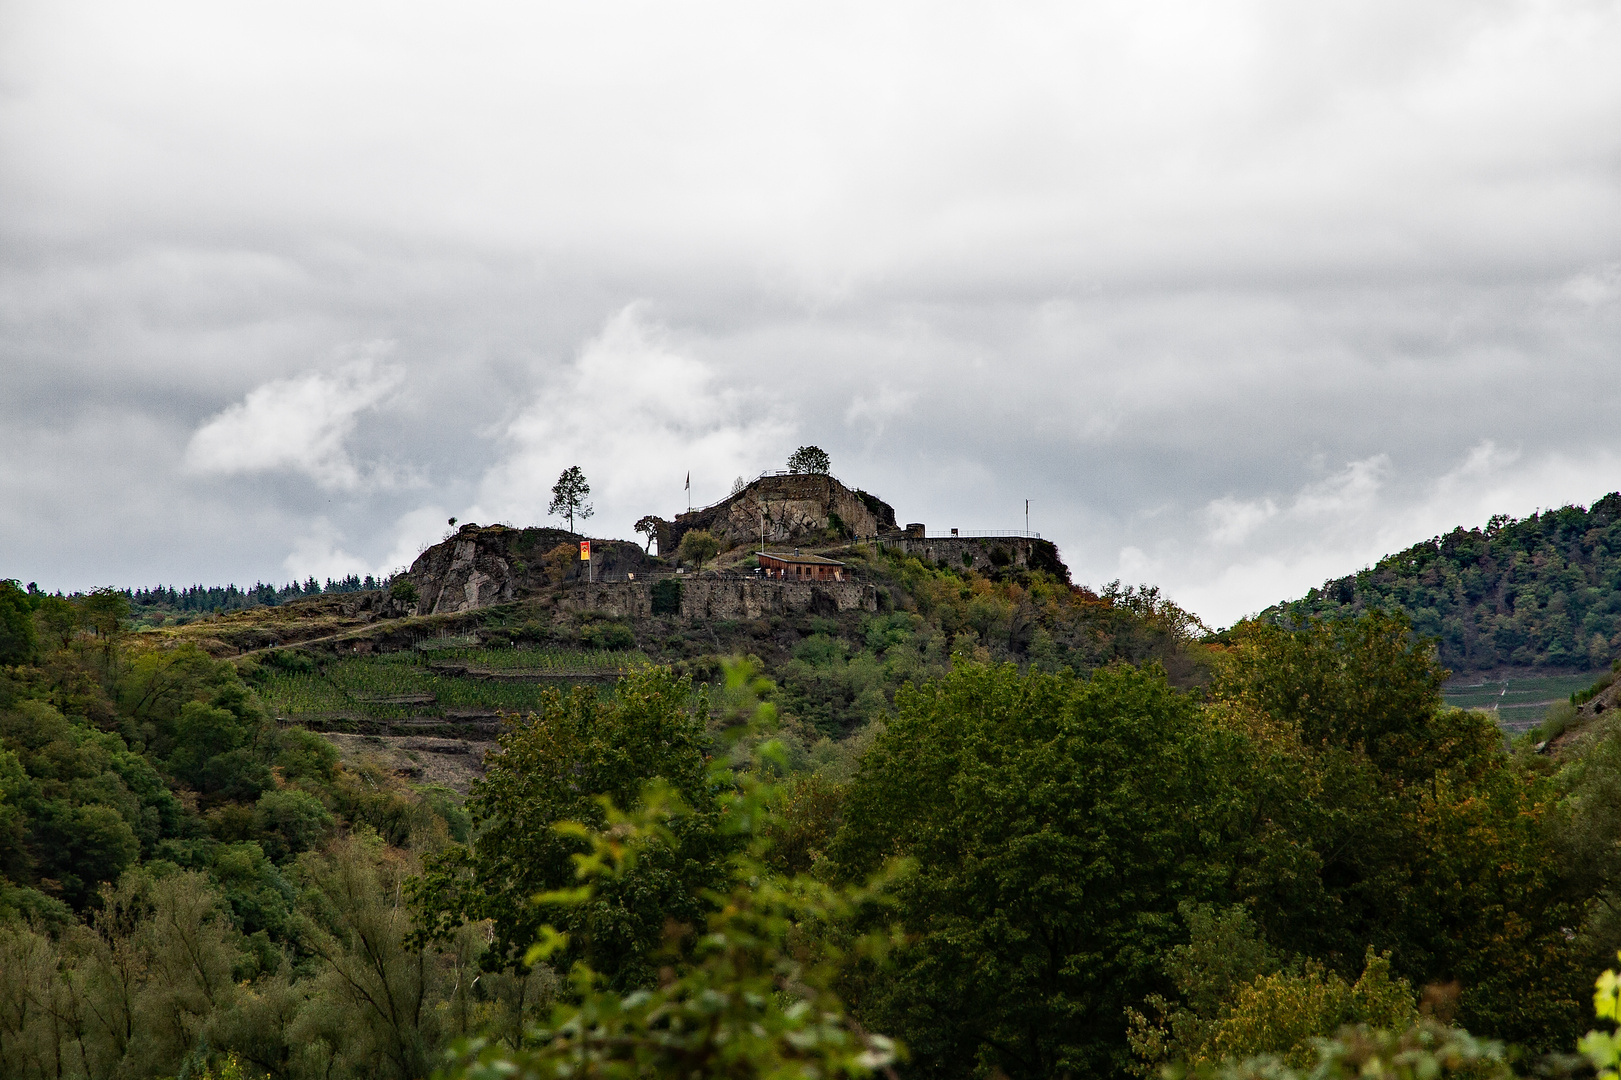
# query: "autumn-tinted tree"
{"points": [[1383, 818], [698, 546]]}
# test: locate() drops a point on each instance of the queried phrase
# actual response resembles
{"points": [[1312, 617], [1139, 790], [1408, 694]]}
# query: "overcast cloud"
{"points": [[1241, 296]]}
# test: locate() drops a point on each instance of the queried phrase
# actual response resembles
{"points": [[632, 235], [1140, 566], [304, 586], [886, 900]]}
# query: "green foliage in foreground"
{"points": [[750, 995], [1545, 591], [1030, 872], [556, 765], [1046, 883], [1058, 825]]}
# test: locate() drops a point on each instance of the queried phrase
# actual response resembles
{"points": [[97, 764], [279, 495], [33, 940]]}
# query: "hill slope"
{"points": [[1542, 592]]}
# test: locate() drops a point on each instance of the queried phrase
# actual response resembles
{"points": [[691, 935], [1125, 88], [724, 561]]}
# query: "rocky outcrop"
{"points": [[792, 507], [481, 566]]}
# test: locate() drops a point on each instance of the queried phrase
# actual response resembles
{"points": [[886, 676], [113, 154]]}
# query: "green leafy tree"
{"points": [[105, 611], [1054, 822], [648, 525], [56, 621], [371, 1010], [698, 546], [810, 459], [17, 641], [1385, 819], [753, 995], [555, 765], [290, 821], [569, 497]]}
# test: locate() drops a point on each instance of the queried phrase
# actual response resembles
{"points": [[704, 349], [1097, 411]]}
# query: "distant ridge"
{"points": [[1541, 592]]}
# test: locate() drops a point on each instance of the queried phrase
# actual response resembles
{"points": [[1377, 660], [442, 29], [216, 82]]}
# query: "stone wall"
{"points": [[984, 553], [724, 598]]}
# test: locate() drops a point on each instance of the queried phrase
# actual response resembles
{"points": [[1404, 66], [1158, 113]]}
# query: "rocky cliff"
{"points": [[492, 564], [790, 508]]}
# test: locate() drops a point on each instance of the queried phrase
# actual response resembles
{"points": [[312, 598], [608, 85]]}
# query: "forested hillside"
{"points": [[1000, 826], [1541, 592]]}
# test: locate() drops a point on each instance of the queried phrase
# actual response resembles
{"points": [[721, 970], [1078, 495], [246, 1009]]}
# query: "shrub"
{"points": [[667, 597], [611, 635], [698, 546], [290, 821]]}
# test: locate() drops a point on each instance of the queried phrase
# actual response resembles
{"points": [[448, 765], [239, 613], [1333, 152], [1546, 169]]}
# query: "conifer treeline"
{"points": [[202, 599]]}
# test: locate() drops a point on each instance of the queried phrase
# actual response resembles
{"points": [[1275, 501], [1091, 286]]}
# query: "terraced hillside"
{"points": [[1519, 703], [441, 684]]}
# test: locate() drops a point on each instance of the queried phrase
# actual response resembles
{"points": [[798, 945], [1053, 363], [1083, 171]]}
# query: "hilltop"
{"points": [[490, 618], [1542, 593], [410, 684]]}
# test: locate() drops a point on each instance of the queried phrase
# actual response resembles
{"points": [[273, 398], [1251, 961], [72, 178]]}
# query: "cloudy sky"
{"points": [[1240, 295]]}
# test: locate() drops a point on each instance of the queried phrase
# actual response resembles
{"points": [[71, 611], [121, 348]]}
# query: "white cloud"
{"points": [[300, 424], [1135, 564], [1232, 520], [1596, 287], [875, 410], [1349, 491], [414, 532], [637, 414], [319, 554]]}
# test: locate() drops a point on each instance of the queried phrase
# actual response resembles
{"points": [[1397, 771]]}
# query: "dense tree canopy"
{"points": [[1056, 836], [1542, 591], [810, 459], [556, 766], [1046, 883], [1059, 826]]}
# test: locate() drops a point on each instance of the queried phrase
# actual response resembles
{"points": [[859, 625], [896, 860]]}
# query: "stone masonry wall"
{"points": [[984, 553], [724, 598]]}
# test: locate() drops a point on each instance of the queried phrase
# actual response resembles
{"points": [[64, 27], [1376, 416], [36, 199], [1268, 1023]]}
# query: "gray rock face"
{"points": [[484, 565], [468, 571], [788, 508]]}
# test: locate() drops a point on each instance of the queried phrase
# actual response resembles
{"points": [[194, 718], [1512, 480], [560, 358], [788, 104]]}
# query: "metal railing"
{"points": [[986, 534]]}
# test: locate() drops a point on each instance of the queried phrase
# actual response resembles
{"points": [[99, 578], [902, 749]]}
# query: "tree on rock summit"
{"points": [[568, 496], [810, 459]]}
